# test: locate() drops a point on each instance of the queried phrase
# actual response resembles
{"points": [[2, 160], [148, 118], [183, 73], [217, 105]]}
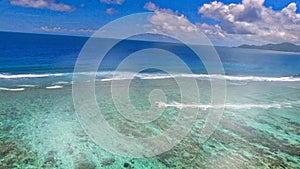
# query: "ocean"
{"points": [[39, 126]]}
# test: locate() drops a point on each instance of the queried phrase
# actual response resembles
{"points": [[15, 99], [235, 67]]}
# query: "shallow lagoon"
{"points": [[40, 129]]}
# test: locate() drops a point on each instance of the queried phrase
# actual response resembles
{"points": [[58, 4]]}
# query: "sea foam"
{"points": [[14, 89], [222, 77], [228, 106], [111, 76], [54, 87], [27, 85], [16, 76]]}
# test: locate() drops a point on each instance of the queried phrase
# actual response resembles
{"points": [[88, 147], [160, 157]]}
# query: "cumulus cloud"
{"points": [[172, 22], [64, 30], [116, 2], [43, 4], [255, 21], [53, 29], [166, 21], [111, 11], [213, 31], [153, 7]]}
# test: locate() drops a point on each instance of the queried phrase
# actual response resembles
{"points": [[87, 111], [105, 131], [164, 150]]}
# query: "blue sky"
{"points": [[224, 21]]}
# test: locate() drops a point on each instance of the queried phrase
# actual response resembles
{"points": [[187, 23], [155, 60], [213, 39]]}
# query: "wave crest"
{"points": [[228, 106], [112, 75], [13, 90], [16, 76]]}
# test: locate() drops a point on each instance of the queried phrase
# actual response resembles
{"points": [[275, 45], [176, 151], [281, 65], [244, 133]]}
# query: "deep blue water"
{"points": [[34, 53], [28, 53], [39, 127]]}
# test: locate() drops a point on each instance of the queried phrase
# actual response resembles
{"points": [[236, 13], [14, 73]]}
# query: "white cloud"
{"points": [[172, 23], [166, 21], [43, 4], [117, 2], [88, 31], [213, 31], [64, 30], [169, 22], [253, 21], [53, 29], [152, 7], [111, 11]]}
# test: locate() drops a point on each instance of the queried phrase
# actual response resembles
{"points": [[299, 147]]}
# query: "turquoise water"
{"points": [[39, 129]]}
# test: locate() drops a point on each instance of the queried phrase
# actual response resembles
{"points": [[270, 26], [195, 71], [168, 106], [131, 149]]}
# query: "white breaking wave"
{"points": [[259, 79], [114, 79], [222, 77], [61, 83], [155, 76], [16, 76], [14, 90], [111, 75], [228, 106], [27, 85], [54, 87]]}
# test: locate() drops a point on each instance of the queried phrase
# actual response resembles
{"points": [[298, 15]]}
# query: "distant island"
{"points": [[286, 47]]}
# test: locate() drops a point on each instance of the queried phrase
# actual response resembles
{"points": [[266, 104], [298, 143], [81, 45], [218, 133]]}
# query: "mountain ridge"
{"points": [[285, 47]]}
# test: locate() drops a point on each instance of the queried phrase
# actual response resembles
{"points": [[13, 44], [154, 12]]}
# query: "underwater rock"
{"points": [[132, 161], [50, 160], [80, 157], [81, 133], [166, 158], [81, 162], [108, 161], [51, 153], [70, 150], [6, 148], [13, 153], [85, 165], [127, 165]]}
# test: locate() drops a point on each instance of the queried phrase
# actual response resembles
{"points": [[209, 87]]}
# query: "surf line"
{"points": [[205, 107]]}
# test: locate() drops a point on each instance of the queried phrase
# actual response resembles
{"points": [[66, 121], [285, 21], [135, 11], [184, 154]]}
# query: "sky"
{"points": [[224, 22]]}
